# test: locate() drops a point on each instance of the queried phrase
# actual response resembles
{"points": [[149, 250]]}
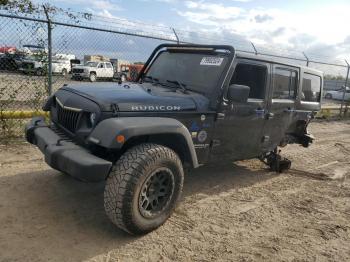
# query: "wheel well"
{"points": [[174, 141], [92, 72]]}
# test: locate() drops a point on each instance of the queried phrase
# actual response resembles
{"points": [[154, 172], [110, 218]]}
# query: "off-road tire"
{"points": [[127, 178], [92, 77]]}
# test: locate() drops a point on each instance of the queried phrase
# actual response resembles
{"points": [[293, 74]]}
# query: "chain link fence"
{"points": [[39, 52]]}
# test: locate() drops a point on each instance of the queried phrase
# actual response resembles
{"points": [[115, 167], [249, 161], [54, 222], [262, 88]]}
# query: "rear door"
{"points": [[239, 129], [281, 105], [109, 70], [101, 70]]}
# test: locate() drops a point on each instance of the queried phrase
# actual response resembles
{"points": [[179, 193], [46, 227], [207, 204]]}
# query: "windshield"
{"points": [[91, 64], [198, 72]]}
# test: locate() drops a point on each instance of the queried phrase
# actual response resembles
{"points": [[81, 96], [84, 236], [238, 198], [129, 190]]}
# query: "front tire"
{"points": [[143, 188], [92, 77]]}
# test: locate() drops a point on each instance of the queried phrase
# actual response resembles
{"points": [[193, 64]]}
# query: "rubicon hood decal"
{"points": [[156, 108], [134, 97]]}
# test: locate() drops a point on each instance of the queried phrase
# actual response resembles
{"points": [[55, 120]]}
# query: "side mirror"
{"points": [[238, 93]]}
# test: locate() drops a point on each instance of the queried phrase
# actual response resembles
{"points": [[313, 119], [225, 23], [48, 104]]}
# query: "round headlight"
{"points": [[93, 119]]}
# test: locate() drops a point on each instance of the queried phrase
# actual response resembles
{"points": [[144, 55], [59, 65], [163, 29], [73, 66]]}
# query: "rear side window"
{"points": [[284, 83], [108, 65], [311, 89], [253, 76]]}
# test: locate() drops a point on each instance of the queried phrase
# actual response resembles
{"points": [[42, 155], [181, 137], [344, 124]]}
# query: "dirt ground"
{"points": [[237, 212]]}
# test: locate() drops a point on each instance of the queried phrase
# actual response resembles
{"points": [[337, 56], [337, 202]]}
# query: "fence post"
{"points": [[49, 42], [344, 91], [177, 37], [307, 59]]}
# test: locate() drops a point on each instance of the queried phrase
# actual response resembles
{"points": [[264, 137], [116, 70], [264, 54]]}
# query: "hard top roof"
{"points": [[276, 60]]}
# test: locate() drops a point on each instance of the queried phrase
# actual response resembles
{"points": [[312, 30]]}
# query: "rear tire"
{"points": [[143, 188]]}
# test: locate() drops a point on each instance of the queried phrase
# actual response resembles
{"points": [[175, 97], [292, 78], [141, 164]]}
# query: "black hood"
{"points": [[138, 97]]}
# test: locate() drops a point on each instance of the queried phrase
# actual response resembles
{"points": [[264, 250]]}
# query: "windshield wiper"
{"points": [[153, 79], [178, 84]]}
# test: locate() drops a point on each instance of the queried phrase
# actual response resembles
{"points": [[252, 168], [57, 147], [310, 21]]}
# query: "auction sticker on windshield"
{"points": [[212, 61]]}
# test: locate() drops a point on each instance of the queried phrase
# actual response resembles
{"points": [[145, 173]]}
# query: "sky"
{"points": [[318, 27]]}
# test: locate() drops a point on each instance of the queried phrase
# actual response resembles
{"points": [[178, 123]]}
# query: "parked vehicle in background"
{"points": [[134, 71], [62, 67], [35, 61], [93, 71], [11, 62], [95, 58], [61, 64], [190, 105], [129, 72], [338, 94], [8, 49], [121, 68], [33, 65], [123, 73]]}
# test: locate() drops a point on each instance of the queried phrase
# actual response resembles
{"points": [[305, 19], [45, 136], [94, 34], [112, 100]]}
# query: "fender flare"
{"points": [[106, 131]]}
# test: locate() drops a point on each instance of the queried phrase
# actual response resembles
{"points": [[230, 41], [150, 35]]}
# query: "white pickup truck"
{"points": [[93, 71]]}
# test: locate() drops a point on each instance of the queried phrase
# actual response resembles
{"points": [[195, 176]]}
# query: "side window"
{"points": [[284, 83], [101, 65], [311, 89], [108, 65], [253, 76]]}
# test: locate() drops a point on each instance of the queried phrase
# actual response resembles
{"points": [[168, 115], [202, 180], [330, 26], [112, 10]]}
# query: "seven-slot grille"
{"points": [[68, 117], [78, 70]]}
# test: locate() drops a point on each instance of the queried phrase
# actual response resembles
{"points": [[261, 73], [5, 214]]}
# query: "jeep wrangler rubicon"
{"points": [[192, 104]]}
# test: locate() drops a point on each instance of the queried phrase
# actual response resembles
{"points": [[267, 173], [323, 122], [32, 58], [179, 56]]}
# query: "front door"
{"points": [[281, 105], [238, 129], [101, 70]]}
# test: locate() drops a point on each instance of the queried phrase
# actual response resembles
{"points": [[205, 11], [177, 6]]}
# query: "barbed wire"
{"points": [[143, 29]]}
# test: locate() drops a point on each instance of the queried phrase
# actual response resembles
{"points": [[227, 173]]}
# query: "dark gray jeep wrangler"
{"points": [[192, 104]]}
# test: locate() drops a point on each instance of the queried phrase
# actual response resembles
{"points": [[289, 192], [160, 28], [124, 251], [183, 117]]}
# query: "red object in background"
{"points": [[8, 49], [134, 71]]}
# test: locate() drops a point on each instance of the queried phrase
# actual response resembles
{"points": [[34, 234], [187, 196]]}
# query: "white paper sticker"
{"points": [[212, 61]]}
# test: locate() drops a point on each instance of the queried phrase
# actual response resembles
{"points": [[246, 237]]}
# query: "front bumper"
{"points": [[80, 75], [66, 156]]}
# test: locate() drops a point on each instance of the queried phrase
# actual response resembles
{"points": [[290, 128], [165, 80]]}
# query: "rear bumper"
{"points": [[66, 156]]}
